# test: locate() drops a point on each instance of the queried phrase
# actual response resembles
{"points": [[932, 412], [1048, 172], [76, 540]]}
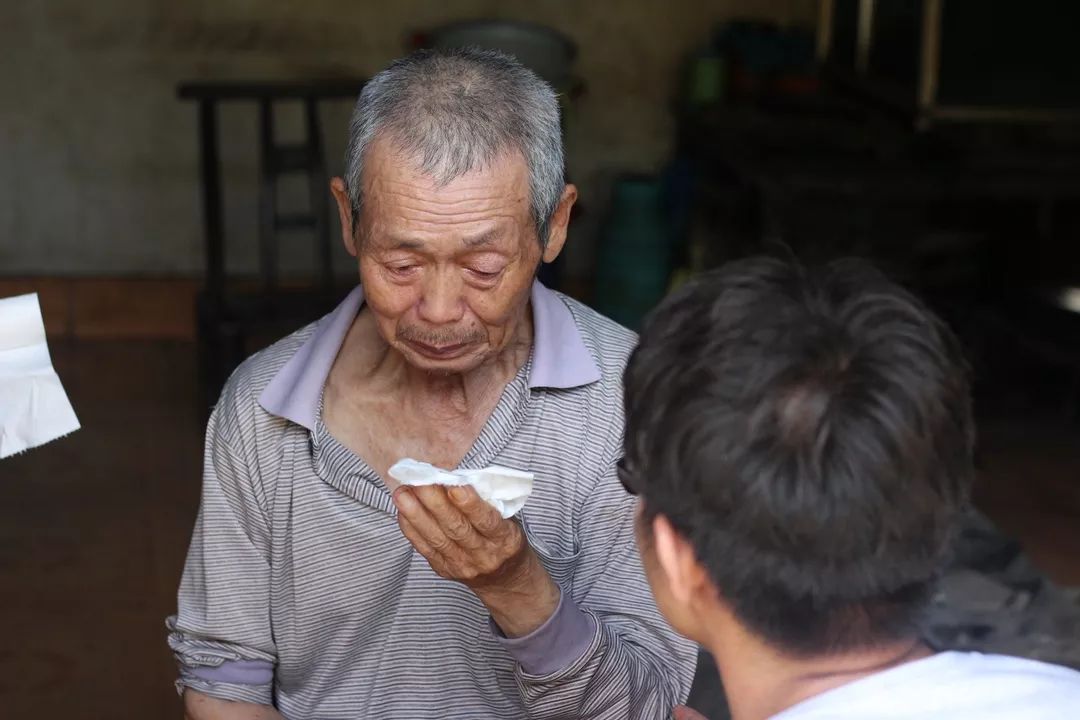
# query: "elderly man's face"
{"points": [[447, 270]]}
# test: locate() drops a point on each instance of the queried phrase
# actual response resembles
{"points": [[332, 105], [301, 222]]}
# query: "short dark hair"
{"points": [[809, 431]]}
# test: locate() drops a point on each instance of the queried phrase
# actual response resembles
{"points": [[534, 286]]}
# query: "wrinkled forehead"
{"points": [[401, 199]]}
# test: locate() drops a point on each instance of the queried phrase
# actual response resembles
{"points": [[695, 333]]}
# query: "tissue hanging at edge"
{"points": [[34, 409], [504, 489]]}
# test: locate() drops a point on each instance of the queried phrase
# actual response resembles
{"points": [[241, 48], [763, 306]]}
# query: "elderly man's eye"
{"points": [[484, 274], [402, 270]]}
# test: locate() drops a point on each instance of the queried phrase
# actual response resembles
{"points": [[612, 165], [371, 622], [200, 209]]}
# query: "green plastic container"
{"points": [[634, 258]]}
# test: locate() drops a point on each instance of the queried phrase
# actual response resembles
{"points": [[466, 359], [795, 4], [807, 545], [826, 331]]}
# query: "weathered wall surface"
{"points": [[98, 159]]}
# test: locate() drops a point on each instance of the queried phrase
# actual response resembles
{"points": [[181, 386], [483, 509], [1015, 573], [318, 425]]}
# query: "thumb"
{"points": [[682, 712]]}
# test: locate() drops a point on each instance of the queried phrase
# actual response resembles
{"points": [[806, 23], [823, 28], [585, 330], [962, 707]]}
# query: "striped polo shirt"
{"points": [[300, 590]]}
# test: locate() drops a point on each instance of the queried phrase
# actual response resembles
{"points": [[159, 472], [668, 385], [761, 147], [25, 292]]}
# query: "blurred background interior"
{"points": [[163, 188]]}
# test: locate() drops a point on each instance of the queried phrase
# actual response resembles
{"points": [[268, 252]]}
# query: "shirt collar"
{"points": [[560, 358]]}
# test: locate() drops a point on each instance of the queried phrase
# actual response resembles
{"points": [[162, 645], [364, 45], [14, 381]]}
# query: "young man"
{"points": [[802, 444]]}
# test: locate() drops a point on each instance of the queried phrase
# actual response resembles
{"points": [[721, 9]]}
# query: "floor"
{"points": [[94, 527], [1029, 485], [93, 533]]}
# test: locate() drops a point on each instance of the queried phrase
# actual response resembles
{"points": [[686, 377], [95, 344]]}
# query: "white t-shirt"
{"points": [[952, 686]]}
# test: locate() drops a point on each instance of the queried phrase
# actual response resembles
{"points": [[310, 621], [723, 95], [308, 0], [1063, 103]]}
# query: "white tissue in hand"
{"points": [[504, 489], [33, 406]]}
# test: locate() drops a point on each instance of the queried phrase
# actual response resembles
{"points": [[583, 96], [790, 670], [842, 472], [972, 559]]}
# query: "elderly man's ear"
{"points": [[344, 205], [559, 221]]}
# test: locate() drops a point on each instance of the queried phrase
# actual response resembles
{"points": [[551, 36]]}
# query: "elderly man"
{"points": [[315, 587], [802, 442]]}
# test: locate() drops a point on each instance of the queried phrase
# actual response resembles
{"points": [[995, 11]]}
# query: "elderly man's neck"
{"points": [[378, 368], [761, 681], [446, 395]]}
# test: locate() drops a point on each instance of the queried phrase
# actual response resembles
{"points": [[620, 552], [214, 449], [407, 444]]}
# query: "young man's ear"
{"points": [[687, 579]]}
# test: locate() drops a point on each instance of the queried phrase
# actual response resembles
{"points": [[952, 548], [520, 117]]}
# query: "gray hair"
{"points": [[455, 111]]}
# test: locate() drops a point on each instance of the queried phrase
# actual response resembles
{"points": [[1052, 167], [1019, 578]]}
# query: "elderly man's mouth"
{"points": [[439, 352]]}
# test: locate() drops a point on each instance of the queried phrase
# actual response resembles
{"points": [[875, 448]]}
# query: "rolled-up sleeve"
{"points": [[221, 634], [563, 638], [610, 654]]}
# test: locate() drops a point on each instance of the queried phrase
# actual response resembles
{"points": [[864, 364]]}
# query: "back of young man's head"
{"points": [[805, 436]]}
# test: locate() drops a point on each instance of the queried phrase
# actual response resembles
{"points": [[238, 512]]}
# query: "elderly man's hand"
{"points": [[465, 539]]}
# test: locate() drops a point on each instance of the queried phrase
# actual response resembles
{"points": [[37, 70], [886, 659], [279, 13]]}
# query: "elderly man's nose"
{"points": [[441, 302]]}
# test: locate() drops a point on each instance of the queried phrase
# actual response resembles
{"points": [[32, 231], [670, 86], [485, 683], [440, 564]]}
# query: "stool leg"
{"points": [[1072, 397], [317, 185], [267, 200]]}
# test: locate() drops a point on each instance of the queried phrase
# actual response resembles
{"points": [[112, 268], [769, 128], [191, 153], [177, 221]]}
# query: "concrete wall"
{"points": [[98, 159]]}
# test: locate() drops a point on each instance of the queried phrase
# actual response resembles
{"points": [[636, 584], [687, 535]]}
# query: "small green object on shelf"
{"points": [[708, 75]]}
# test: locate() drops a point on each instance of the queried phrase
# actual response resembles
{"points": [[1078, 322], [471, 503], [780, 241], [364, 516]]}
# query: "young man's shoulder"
{"points": [[952, 686]]}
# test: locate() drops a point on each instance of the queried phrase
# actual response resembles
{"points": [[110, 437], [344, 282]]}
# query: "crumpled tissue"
{"points": [[33, 406], [504, 489]]}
